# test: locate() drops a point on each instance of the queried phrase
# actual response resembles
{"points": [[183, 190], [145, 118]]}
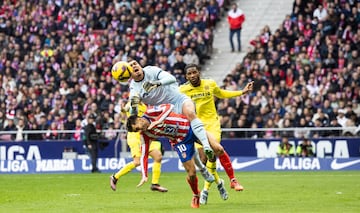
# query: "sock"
{"points": [[198, 128], [156, 171], [226, 163], [126, 169], [193, 182], [198, 161], [211, 166]]}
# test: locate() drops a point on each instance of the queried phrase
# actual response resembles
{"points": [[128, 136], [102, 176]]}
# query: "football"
{"points": [[121, 71]]}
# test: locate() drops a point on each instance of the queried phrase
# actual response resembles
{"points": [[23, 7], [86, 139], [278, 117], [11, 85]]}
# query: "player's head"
{"points": [[136, 124], [192, 74], [138, 73]]}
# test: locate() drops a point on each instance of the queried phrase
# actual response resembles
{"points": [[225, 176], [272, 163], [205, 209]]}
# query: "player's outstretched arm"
{"points": [[165, 111], [222, 93], [163, 78]]}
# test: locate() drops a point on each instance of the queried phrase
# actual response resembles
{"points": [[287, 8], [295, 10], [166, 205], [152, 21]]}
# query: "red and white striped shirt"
{"points": [[174, 126]]}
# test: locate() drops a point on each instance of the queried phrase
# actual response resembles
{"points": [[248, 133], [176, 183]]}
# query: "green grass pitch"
{"points": [[264, 192]]}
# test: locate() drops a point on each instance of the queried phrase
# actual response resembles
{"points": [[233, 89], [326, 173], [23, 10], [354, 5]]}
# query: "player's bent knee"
{"points": [[188, 110], [218, 149], [157, 157]]}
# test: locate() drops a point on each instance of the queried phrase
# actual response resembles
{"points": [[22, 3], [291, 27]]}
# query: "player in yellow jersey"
{"points": [[202, 92], [134, 143]]}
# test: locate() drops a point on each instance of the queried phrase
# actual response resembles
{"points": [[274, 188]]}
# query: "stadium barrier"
{"points": [[261, 148], [109, 165]]}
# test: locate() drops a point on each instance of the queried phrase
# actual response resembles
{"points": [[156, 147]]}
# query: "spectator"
{"points": [[320, 13], [20, 127], [34, 136], [191, 57], [78, 129], [110, 134], [334, 123], [52, 132], [235, 18], [302, 132], [10, 126], [341, 118]]}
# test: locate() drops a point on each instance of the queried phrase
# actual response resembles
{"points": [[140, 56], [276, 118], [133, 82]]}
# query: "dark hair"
{"points": [[130, 122], [190, 66]]}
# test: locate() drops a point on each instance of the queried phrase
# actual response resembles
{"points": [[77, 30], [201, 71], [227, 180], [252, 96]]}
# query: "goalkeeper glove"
{"points": [[150, 85], [134, 101]]}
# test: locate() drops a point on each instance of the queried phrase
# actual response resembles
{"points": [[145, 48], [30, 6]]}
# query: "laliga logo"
{"points": [[17, 152]]}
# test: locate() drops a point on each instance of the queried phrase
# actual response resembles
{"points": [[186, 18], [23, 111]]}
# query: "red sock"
{"points": [[193, 182], [226, 163]]}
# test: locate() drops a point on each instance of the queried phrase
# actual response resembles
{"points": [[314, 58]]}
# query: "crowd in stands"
{"points": [[56, 56], [306, 73]]}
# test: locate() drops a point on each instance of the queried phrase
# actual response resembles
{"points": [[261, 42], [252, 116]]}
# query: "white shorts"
{"points": [[178, 102]]}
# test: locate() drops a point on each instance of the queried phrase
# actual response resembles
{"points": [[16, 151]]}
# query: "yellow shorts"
{"points": [[134, 143], [215, 132]]}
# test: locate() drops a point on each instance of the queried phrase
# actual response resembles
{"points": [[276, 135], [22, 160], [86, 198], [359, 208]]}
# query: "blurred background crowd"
{"points": [[306, 73], [56, 56]]}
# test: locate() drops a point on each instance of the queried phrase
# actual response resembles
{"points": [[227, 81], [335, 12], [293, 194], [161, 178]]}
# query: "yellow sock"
{"points": [[156, 171], [211, 166], [126, 169]]}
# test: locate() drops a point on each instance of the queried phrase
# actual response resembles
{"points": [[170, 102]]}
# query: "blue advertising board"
{"points": [[110, 165], [261, 148], [50, 149], [266, 148]]}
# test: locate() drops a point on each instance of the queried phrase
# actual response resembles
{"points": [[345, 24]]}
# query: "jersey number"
{"points": [[169, 130], [182, 147]]}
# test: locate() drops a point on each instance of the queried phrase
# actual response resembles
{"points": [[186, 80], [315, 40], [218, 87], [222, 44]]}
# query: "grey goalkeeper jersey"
{"points": [[164, 94]]}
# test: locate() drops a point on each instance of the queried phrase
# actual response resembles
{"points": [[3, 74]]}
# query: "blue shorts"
{"points": [[186, 148]]}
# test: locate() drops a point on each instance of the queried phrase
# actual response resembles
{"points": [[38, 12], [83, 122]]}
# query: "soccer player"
{"points": [[153, 86], [134, 143], [202, 92], [160, 121]]}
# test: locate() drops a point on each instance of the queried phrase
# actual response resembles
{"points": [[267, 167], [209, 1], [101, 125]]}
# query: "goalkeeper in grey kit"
{"points": [[153, 86]]}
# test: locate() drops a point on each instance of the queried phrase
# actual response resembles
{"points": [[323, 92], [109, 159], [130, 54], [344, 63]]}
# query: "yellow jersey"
{"points": [[203, 96]]}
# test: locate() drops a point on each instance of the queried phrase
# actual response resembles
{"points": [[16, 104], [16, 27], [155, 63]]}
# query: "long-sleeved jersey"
{"points": [[168, 92], [203, 96]]}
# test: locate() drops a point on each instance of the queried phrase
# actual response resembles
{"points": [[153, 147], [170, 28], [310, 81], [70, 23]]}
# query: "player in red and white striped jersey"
{"points": [[160, 121]]}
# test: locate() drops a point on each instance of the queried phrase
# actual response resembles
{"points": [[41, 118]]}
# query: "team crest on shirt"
{"points": [[183, 154], [206, 87]]}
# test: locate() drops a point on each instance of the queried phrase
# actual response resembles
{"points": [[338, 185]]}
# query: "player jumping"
{"points": [[153, 86], [160, 121]]}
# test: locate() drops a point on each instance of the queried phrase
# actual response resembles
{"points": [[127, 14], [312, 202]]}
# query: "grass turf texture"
{"points": [[264, 192]]}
